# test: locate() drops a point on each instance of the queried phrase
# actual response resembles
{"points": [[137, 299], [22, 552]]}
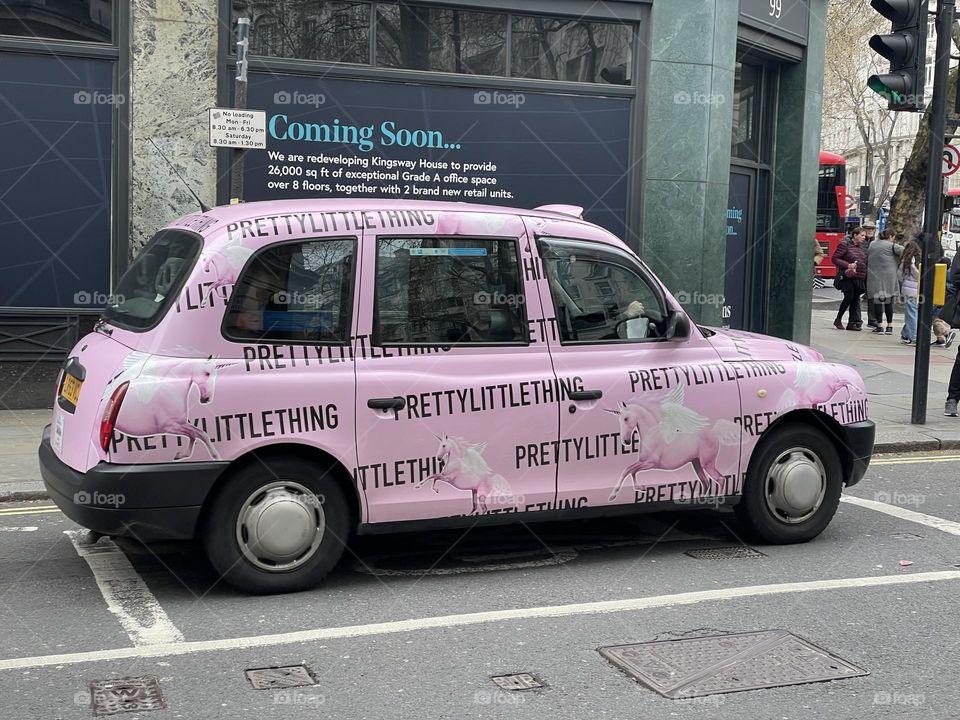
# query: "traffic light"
{"points": [[906, 49]]}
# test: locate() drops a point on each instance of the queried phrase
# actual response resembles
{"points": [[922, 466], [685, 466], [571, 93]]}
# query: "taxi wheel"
{"points": [[276, 526], [793, 486]]}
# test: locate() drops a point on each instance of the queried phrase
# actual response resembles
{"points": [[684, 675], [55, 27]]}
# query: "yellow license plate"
{"points": [[71, 389]]}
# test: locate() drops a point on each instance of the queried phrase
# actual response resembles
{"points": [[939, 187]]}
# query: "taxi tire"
{"points": [[218, 531], [752, 510]]}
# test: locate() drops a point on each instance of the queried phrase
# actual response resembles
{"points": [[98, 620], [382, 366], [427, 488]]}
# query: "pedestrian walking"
{"points": [[883, 255], [907, 274], [851, 262], [869, 230]]}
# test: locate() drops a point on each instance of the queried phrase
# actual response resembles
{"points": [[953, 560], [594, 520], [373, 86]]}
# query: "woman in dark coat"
{"points": [[851, 261]]}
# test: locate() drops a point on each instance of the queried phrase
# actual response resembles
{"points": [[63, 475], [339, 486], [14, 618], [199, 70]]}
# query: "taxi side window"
{"points": [[601, 295], [448, 291], [295, 292]]}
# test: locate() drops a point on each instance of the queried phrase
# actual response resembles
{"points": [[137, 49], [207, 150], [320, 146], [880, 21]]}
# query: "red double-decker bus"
{"points": [[831, 208]]}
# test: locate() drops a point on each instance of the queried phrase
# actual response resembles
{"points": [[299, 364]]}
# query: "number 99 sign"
{"points": [[776, 8]]}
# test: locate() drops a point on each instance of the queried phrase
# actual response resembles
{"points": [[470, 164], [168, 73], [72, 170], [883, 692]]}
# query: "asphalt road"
{"points": [[415, 626]]}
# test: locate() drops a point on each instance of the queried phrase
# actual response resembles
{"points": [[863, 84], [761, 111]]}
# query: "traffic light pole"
{"points": [[932, 217]]}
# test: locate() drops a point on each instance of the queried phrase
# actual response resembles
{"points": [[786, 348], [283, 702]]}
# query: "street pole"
{"points": [[239, 102], [932, 216]]}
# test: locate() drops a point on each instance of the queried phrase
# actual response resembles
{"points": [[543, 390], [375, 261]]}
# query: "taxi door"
{"points": [[652, 419], [452, 377]]}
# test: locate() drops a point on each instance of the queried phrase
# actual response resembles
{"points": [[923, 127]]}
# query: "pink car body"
{"points": [[538, 428]]}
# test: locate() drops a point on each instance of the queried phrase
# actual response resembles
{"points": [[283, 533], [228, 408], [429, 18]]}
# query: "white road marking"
{"points": [[32, 528], [446, 621], [126, 594], [947, 526]]}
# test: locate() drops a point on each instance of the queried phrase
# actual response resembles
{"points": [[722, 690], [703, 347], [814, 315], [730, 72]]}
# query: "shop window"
{"points": [[84, 20], [308, 29], [446, 291], [299, 292], [441, 39], [572, 50]]}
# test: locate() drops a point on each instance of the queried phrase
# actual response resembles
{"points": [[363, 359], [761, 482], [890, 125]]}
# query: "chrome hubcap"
{"points": [[796, 485], [280, 526]]}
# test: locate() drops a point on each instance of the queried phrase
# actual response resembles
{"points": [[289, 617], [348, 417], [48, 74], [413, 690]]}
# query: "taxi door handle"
{"points": [[585, 394], [390, 403]]}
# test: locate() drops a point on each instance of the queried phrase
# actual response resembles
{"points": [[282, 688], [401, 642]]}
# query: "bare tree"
{"points": [[906, 207], [847, 102]]}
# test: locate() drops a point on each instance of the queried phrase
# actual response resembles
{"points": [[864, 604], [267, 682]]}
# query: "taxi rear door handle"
{"points": [[390, 403], [585, 394]]}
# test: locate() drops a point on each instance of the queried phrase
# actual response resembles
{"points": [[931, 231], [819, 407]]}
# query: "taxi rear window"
{"points": [[151, 284]]}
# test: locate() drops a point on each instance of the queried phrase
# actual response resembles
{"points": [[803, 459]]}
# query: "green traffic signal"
{"points": [[905, 49], [893, 87]]}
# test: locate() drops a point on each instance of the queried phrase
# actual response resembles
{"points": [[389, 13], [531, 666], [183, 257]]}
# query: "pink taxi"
{"points": [[274, 378]]}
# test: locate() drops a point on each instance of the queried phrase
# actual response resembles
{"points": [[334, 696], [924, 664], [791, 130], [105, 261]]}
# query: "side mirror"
{"points": [[678, 325]]}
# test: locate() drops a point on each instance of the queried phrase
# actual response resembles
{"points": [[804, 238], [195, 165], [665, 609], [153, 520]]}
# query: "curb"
{"points": [[23, 495]]}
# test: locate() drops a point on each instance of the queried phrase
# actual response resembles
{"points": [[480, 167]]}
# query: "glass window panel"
{"points": [[308, 29], [300, 291], [601, 296], [445, 291], [441, 39], [87, 20], [572, 50], [746, 112]]}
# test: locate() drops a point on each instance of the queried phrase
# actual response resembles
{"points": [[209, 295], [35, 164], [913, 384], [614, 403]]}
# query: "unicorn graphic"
{"points": [[225, 264], [813, 385], [465, 469], [159, 399], [671, 436]]}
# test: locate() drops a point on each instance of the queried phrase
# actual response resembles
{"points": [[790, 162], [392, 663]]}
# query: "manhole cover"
{"points": [[130, 694], [517, 681], [272, 678], [737, 552], [694, 667]]}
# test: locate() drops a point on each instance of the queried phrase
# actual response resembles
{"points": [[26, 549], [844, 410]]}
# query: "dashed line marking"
{"points": [[947, 526], [126, 594]]}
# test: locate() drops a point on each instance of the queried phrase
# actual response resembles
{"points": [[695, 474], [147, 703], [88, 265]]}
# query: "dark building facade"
{"points": [[688, 127]]}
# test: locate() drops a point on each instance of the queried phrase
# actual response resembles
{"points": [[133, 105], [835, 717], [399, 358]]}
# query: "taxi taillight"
{"points": [[110, 413]]}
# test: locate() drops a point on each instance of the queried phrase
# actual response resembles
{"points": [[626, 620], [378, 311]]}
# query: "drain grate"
{"points": [[272, 678], [695, 667], [906, 535], [517, 681], [123, 695], [737, 552]]}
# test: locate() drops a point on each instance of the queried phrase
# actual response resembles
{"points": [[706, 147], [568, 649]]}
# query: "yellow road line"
{"points": [[922, 459]]}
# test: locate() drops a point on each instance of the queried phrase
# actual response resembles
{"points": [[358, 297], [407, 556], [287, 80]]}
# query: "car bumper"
{"points": [[858, 440], [158, 501]]}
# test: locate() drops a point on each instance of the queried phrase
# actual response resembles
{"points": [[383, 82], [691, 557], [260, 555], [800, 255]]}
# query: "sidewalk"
{"points": [[887, 368], [885, 364]]}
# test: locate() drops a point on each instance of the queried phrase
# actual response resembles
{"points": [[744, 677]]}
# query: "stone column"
{"points": [[173, 81], [686, 151], [795, 177]]}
